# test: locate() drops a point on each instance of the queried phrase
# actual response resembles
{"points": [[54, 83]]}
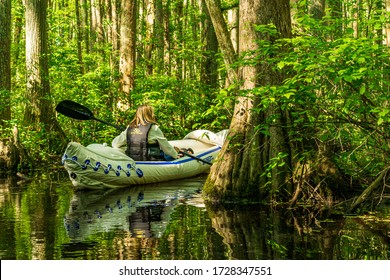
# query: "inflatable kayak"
{"points": [[98, 166]]}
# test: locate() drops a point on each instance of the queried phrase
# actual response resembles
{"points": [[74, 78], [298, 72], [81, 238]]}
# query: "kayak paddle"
{"points": [[79, 112]]}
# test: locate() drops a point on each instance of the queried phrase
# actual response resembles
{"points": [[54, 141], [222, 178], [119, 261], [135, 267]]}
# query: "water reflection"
{"points": [[143, 211], [47, 219]]}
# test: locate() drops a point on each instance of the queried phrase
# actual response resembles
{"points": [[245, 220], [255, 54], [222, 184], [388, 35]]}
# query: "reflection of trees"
{"points": [[189, 236], [243, 231], [8, 213], [316, 234], [365, 237], [30, 219], [251, 232], [37, 222], [32, 226]]}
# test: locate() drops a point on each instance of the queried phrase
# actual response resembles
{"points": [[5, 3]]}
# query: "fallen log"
{"points": [[380, 181]]}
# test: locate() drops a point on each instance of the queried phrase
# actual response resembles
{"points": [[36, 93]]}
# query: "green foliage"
{"points": [[337, 91], [181, 105]]}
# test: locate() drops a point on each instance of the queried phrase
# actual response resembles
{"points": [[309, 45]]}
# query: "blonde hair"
{"points": [[143, 115]]}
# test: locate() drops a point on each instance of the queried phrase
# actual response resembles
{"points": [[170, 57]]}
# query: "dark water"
{"points": [[46, 219]]}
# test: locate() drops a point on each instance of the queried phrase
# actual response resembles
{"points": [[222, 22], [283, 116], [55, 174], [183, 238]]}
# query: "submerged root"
{"points": [[312, 188]]}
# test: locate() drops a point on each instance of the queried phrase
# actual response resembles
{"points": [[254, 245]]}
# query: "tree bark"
{"points": [[148, 14], [223, 36], [79, 35], [246, 152], [209, 71], [167, 38], [97, 30], [115, 11], [127, 49], [159, 36], [5, 61], [85, 19], [317, 8], [233, 26], [39, 108], [236, 172]]}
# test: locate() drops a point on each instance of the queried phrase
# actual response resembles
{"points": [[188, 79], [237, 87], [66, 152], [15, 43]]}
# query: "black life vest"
{"points": [[137, 144]]}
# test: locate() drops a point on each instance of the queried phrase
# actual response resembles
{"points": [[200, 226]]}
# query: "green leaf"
{"points": [[281, 64], [362, 89], [288, 94]]}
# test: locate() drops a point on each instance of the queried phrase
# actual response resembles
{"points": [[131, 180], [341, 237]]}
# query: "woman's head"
{"points": [[143, 115]]}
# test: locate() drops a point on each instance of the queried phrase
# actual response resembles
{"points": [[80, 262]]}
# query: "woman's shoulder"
{"points": [[154, 126]]}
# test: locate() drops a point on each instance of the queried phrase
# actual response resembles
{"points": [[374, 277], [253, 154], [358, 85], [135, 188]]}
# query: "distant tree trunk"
{"points": [[115, 11], [159, 36], [148, 37], [5, 61], [127, 49], [246, 153], [167, 38], [97, 30], [335, 7], [209, 74], [223, 36], [18, 22], [85, 16], [79, 35], [39, 108], [317, 8], [107, 17], [179, 14]]}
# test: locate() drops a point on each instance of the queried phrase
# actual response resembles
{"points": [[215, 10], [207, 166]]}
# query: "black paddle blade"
{"points": [[74, 110]]}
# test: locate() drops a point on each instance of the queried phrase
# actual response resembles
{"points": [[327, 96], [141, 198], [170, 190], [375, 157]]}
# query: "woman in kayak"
{"points": [[144, 140]]}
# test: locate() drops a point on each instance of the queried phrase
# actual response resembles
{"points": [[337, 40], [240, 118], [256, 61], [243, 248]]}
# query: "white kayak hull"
{"points": [[98, 166]]}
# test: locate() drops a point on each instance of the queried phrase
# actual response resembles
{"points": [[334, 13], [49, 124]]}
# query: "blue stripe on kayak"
{"points": [[178, 161]]}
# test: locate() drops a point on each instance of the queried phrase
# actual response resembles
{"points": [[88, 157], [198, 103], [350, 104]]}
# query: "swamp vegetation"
{"points": [[303, 87]]}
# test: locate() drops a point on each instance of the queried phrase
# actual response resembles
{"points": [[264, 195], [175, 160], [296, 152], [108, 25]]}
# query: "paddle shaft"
{"points": [[121, 128], [194, 157]]}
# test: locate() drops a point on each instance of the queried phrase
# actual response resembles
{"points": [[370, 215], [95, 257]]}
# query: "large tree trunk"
{"points": [[236, 173], [127, 49], [39, 108], [5, 60], [9, 155], [246, 153]]}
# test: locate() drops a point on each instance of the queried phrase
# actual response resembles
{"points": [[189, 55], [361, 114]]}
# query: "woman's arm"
{"points": [[120, 141], [155, 134]]}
